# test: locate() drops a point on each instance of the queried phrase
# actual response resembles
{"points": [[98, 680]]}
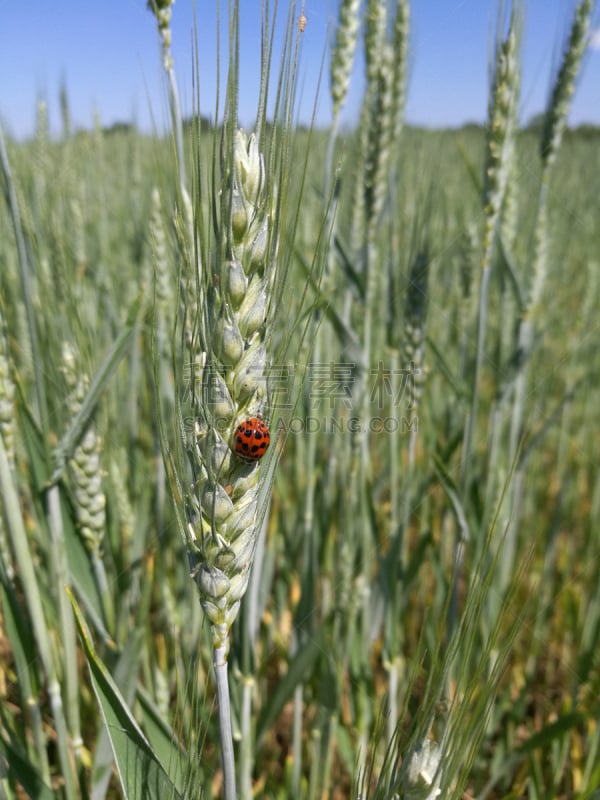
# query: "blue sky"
{"points": [[107, 54]]}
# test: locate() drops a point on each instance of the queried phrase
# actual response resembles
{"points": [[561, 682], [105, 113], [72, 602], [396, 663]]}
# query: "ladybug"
{"points": [[251, 439]]}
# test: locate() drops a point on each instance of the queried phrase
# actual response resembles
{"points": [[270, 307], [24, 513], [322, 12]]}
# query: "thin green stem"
{"points": [[177, 128], [225, 733], [103, 590], [297, 739], [471, 420], [246, 744], [315, 747], [67, 623]]}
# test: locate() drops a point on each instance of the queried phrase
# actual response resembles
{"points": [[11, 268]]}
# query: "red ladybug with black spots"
{"points": [[251, 439]]}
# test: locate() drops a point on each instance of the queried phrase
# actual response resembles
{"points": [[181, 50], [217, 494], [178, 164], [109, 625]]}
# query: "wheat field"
{"points": [[401, 598]]}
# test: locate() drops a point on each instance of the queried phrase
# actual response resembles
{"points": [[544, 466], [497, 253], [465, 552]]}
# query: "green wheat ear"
{"points": [[344, 49], [241, 205], [556, 116], [228, 386], [85, 463], [504, 100]]}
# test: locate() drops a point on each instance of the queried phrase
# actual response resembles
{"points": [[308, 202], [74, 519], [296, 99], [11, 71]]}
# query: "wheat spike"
{"points": [[229, 386]]}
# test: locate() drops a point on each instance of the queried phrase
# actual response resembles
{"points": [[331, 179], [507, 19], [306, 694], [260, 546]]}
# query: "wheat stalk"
{"points": [[555, 122], [162, 10], [499, 153], [225, 325]]}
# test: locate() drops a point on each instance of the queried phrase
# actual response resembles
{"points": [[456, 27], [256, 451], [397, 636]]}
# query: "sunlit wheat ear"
{"points": [[85, 463], [387, 61], [400, 66], [162, 11], [501, 127], [228, 388], [378, 151], [375, 36], [556, 117], [343, 52], [510, 207], [554, 126]]}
